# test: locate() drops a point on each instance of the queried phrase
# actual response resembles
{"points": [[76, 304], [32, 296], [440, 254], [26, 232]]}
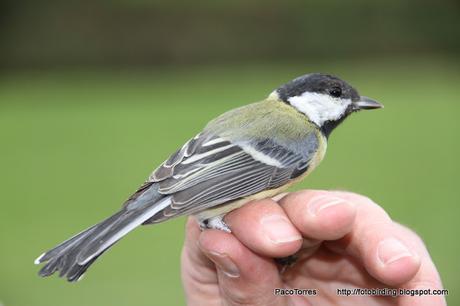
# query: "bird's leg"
{"points": [[286, 262], [216, 222], [309, 247]]}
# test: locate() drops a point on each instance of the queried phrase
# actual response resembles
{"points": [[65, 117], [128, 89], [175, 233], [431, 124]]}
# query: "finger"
{"points": [[388, 254], [319, 215], [263, 227], [244, 277], [191, 249], [427, 276], [198, 272]]}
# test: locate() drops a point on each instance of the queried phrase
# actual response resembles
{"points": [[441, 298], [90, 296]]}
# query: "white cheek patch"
{"points": [[320, 107]]}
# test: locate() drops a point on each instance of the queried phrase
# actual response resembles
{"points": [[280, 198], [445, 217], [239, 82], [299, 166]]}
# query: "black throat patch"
{"points": [[330, 125]]}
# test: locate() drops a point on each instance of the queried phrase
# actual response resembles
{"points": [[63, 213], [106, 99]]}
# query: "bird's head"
{"points": [[325, 99]]}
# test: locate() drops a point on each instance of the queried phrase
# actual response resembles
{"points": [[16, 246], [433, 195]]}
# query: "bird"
{"points": [[249, 153]]}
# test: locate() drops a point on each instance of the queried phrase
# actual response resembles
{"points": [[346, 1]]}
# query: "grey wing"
{"points": [[209, 171]]}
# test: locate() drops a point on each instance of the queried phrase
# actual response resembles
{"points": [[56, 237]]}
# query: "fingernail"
{"points": [[279, 230], [391, 250], [224, 263], [321, 202]]}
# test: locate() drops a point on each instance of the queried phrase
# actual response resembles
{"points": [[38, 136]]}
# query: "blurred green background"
{"points": [[94, 95]]}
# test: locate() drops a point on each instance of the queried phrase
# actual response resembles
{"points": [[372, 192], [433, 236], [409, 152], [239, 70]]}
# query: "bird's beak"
{"points": [[366, 103]]}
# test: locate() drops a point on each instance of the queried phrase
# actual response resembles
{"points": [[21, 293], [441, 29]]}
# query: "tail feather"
{"points": [[73, 257], [120, 227], [64, 245]]}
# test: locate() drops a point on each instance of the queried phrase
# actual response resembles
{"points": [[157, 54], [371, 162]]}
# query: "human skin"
{"points": [[345, 241]]}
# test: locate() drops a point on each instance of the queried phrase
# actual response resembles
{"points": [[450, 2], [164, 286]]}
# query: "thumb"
{"points": [[244, 277]]}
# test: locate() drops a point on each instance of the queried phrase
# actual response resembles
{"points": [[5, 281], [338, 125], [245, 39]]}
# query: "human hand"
{"points": [[345, 241]]}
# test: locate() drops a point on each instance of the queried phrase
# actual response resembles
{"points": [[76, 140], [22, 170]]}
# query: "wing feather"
{"points": [[210, 170]]}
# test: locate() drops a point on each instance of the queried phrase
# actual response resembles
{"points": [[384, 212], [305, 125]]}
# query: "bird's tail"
{"points": [[73, 257]]}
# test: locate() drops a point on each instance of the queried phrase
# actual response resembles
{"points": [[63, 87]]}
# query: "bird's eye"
{"points": [[336, 92]]}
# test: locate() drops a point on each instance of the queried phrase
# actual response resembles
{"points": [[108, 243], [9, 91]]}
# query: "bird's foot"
{"points": [[215, 223]]}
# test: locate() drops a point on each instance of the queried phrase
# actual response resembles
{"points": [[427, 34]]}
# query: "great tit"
{"points": [[249, 153]]}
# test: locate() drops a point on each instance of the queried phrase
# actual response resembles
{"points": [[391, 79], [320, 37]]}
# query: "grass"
{"points": [[75, 144]]}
